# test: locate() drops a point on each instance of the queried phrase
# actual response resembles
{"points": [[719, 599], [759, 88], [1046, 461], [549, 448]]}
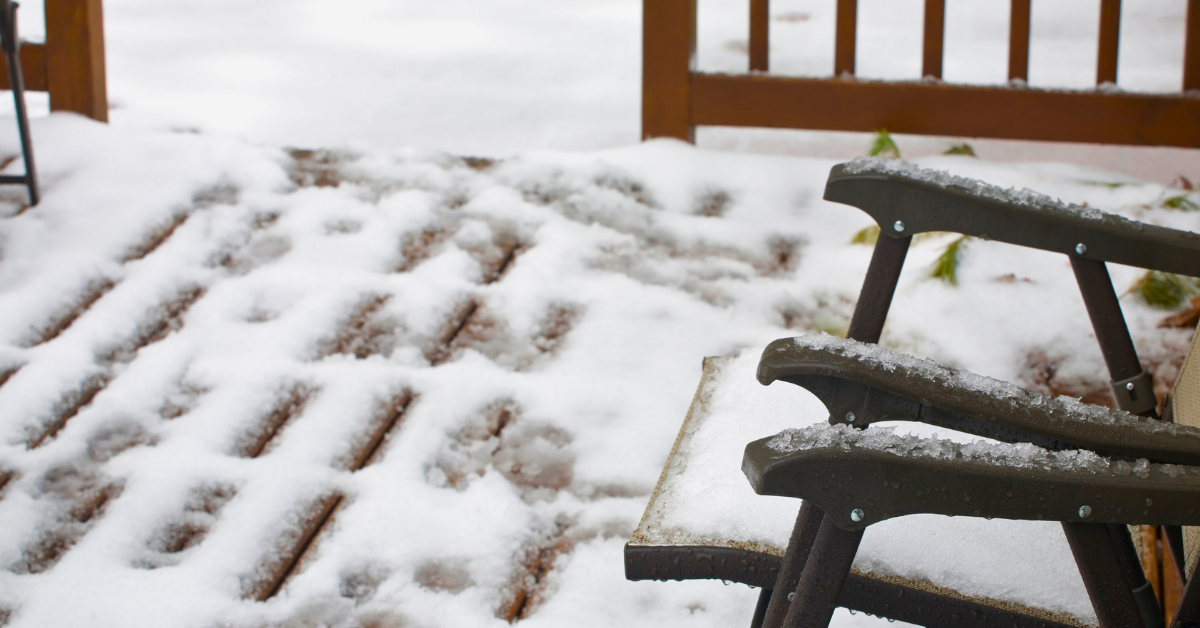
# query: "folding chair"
{"points": [[12, 52], [1090, 468]]}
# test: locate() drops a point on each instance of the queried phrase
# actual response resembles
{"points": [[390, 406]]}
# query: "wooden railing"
{"points": [[70, 65], [676, 98]]}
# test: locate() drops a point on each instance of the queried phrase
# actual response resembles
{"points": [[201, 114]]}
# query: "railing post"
{"points": [[1018, 40], [1191, 47], [668, 52], [1110, 35], [760, 37], [846, 37], [934, 36], [75, 57]]}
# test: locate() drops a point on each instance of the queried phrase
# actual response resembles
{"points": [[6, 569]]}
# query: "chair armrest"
{"points": [[929, 200], [870, 383], [860, 477]]}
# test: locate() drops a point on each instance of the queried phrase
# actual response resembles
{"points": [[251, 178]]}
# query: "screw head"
{"points": [[1129, 386], [1085, 511], [898, 226], [1081, 248], [856, 515], [850, 417]]}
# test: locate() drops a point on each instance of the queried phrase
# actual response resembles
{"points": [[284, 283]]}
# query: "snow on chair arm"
{"points": [[905, 200], [864, 383], [861, 477]]}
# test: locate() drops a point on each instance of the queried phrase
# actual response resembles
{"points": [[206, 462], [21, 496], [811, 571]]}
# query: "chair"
{"points": [[1091, 469]]}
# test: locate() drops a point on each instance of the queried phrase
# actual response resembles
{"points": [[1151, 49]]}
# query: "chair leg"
{"points": [[1187, 614], [824, 574], [799, 546], [760, 611], [875, 298], [1105, 577], [12, 52]]}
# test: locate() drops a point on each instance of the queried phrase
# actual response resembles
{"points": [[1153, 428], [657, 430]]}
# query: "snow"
{"points": [[190, 288], [1020, 562]]}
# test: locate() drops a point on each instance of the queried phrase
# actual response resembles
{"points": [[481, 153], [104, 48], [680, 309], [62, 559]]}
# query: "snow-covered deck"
{"points": [[406, 388]]}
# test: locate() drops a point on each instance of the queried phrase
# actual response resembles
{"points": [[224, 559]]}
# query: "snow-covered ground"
{"points": [[211, 337], [466, 374]]}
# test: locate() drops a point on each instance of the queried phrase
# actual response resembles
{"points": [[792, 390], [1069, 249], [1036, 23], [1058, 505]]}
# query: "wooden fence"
{"points": [[676, 98], [70, 65]]}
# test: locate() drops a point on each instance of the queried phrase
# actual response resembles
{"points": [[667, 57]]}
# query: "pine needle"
{"points": [[946, 266], [884, 146], [867, 235], [960, 149], [1165, 291], [1182, 203]]}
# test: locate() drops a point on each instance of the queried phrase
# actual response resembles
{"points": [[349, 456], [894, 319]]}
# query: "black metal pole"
{"points": [[828, 564], [1103, 577], [12, 51], [804, 533], [1112, 334], [866, 325], [879, 286]]}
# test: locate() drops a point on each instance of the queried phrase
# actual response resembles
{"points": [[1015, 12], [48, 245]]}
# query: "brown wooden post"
{"points": [[75, 57], [1191, 49], [1018, 41], [668, 51], [1110, 33], [760, 11], [847, 28], [935, 28]]}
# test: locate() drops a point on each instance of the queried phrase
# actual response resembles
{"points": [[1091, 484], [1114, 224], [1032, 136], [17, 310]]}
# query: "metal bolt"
{"points": [[899, 226], [850, 417], [1129, 386], [1085, 511], [792, 596], [1081, 248], [856, 515]]}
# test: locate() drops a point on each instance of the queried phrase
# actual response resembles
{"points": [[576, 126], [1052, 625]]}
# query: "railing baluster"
{"points": [[1110, 35], [1191, 49], [1018, 41], [935, 28], [668, 52], [847, 31], [759, 34]]}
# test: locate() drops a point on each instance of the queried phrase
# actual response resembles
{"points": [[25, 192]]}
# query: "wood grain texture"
{"points": [[940, 109], [33, 68], [1191, 48], [1018, 41], [75, 75], [934, 37], [668, 51], [1110, 36], [760, 35], [845, 37]]}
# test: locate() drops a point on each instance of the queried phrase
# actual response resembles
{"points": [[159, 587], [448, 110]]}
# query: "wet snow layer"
{"points": [[245, 386], [943, 179], [905, 366]]}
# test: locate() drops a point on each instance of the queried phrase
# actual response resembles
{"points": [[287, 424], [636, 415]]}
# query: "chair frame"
{"points": [[815, 569]]}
